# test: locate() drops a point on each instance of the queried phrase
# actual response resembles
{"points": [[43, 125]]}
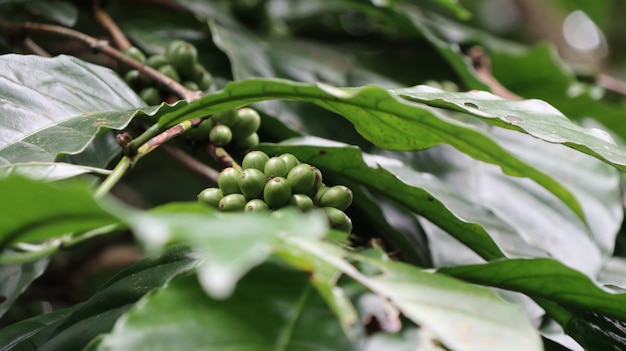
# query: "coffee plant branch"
{"points": [[107, 22]]}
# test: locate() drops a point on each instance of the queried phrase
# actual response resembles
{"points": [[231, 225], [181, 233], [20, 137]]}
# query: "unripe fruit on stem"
{"points": [[157, 61], [301, 178], [232, 203], [318, 194], [205, 81], [220, 135], [211, 196], [256, 205], [150, 95], [201, 131], [135, 54], [247, 121], [198, 72], [228, 181], [290, 160], [301, 201], [275, 167], [338, 196], [250, 142], [255, 159], [226, 117], [337, 219], [191, 85], [173, 47], [252, 183], [183, 56], [276, 192], [169, 71]]}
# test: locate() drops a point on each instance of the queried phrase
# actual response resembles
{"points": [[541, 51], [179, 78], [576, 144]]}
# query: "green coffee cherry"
{"points": [[275, 167], [169, 71], [290, 160], [338, 196], [205, 81], [201, 131], [301, 178], [247, 121], [133, 79], [191, 85], [301, 201], [337, 219], [183, 56], [277, 192], [318, 194], [226, 117], [211, 196], [135, 53], [232, 203], [198, 72], [250, 142], [157, 61], [150, 95], [256, 205], [220, 135], [255, 159], [228, 181], [252, 183]]}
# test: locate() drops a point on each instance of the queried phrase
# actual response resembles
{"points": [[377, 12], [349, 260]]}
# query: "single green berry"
{"points": [[247, 121], [275, 167], [250, 142], [337, 219], [290, 160], [191, 85], [277, 192], [256, 205], [211, 196], [252, 183], [173, 47], [255, 159], [220, 135], [205, 81], [198, 72], [201, 131], [318, 194], [301, 178], [226, 117], [150, 95], [133, 79], [228, 181], [183, 56], [135, 54], [338, 196], [157, 61], [301, 201], [169, 71], [232, 203]]}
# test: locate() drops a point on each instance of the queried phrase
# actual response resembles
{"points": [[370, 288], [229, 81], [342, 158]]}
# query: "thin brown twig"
{"points": [[165, 136], [107, 22], [482, 66], [611, 83], [103, 47], [30, 46], [221, 155], [190, 163]]}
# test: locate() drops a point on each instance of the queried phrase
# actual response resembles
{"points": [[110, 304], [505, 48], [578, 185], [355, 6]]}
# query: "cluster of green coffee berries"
{"points": [[180, 63], [234, 128], [273, 183]]}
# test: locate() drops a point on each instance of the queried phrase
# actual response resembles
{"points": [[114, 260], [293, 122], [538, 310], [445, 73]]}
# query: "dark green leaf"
{"points": [[596, 332], [15, 279], [28, 334], [289, 316], [60, 11], [547, 279]]}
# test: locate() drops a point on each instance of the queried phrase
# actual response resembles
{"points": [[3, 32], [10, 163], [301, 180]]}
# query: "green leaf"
{"points": [[98, 314], [459, 315], [231, 244], [49, 171], [596, 332], [547, 279], [33, 219], [59, 11], [28, 334], [290, 316], [381, 117], [15, 279], [49, 103]]}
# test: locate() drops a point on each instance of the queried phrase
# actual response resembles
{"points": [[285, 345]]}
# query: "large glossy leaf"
{"points": [[98, 314], [460, 316], [28, 334], [546, 279], [273, 308], [15, 279], [48, 106], [41, 211], [381, 117], [49, 170], [230, 244]]}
